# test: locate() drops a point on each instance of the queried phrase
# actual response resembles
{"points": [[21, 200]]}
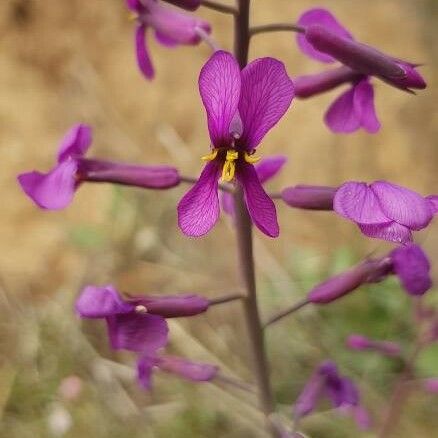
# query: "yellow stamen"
{"points": [[251, 159], [211, 156], [141, 309], [229, 168]]}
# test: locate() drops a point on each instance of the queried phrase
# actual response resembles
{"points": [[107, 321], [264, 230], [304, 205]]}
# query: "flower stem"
{"points": [[275, 27], [245, 246], [219, 7], [297, 306], [226, 299]]}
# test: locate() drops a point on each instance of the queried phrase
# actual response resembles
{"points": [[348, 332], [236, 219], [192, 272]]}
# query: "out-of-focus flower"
{"points": [[326, 40], [341, 392], [193, 371], [431, 385], [383, 210], [242, 106], [309, 197], [70, 388], [172, 27], [362, 343], [55, 190]]}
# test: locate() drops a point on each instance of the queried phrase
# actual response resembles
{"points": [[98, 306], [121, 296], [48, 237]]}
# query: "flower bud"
{"points": [[361, 343], [309, 197], [197, 372]]}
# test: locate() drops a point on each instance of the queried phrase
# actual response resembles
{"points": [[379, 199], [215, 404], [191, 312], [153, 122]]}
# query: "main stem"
{"points": [[245, 243]]}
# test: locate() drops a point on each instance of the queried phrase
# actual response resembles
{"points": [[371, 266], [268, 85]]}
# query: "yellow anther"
{"points": [[211, 156], [141, 309], [229, 168], [251, 159]]}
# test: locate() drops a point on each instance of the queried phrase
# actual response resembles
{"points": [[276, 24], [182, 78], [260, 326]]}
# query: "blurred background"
{"points": [[63, 62]]}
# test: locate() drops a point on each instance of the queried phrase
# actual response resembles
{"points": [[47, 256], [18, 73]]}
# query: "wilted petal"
{"points": [[364, 105], [99, 302], [267, 92], [391, 231], [142, 52], [198, 210], [402, 205], [269, 167], [145, 367], [137, 332], [357, 202], [53, 190], [412, 267], [260, 206], [197, 372], [75, 143], [324, 18], [219, 85], [342, 117], [433, 203]]}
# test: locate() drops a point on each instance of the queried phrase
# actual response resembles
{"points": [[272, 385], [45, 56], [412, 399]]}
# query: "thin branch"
{"points": [[190, 180], [207, 38], [275, 27], [226, 299], [235, 382], [280, 315], [219, 7]]}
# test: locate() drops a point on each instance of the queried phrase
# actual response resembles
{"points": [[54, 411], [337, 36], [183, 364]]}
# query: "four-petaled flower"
{"points": [[242, 106], [326, 40], [172, 27]]}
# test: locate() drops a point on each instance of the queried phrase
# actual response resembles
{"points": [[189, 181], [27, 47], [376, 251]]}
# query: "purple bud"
{"points": [[309, 197], [412, 267], [361, 343], [358, 342], [411, 80], [197, 372], [151, 177], [171, 306], [310, 85]]}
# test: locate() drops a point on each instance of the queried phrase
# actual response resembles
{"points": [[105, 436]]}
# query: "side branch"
{"points": [[276, 317], [226, 299], [275, 27], [219, 7]]}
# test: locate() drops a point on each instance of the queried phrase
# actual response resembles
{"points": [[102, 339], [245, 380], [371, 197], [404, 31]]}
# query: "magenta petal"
{"points": [[137, 332], [75, 143], [99, 302], [197, 372], [53, 190], [402, 205], [198, 210], [134, 5], [190, 5], [145, 367], [324, 18], [391, 231], [227, 203], [261, 208], [363, 102], [357, 202], [165, 40], [269, 167], [267, 92], [309, 396], [412, 266], [342, 117], [219, 85], [433, 203], [141, 50]]}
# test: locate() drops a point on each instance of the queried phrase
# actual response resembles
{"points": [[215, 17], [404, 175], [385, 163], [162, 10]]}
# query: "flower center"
{"points": [[231, 157]]}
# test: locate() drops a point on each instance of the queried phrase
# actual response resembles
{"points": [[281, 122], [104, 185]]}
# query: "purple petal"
{"points": [[391, 231], [362, 417], [342, 117], [145, 367], [269, 167], [190, 5], [363, 102], [142, 52], [412, 267], [402, 205], [227, 203], [75, 143], [198, 210], [261, 208], [219, 85], [309, 396], [53, 190], [197, 372], [324, 18], [100, 302], [433, 203], [137, 332], [267, 92], [357, 202], [173, 306], [134, 5], [342, 391], [165, 40]]}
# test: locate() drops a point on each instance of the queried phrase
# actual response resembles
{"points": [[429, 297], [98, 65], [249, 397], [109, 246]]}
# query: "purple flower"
{"points": [[55, 190], [242, 106], [362, 343], [193, 371], [266, 169], [309, 197], [326, 40], [431, 385], [172, 27], [340, 391], [383, 210]]}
